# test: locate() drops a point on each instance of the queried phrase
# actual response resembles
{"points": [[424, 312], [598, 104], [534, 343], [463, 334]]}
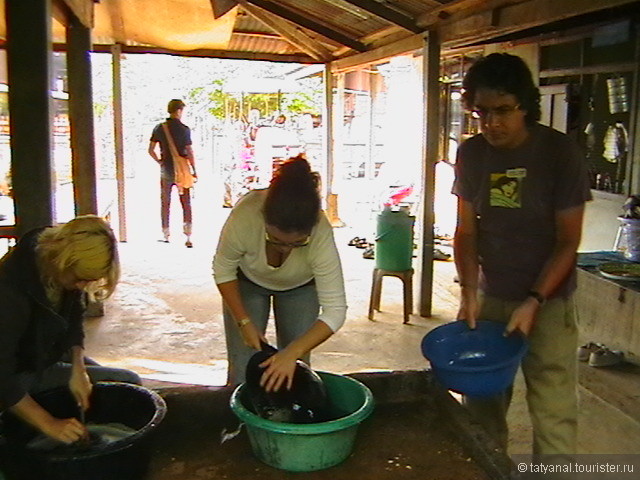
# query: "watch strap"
{"points": [[541, 299]]}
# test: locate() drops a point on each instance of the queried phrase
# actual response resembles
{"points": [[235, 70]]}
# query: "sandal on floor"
{"points": [[440, 255], [584, 351], [605, 358]]}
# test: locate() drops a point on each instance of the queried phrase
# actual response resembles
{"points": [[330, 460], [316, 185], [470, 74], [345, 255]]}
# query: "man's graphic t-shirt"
{"points": [[505, 190], [516, 194]]}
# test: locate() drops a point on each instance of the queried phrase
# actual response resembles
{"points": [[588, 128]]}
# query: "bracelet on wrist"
{"points": [[245, 321]]}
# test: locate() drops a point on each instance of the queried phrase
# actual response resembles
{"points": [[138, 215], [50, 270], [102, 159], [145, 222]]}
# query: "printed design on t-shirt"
{"points": [[506, 188]]}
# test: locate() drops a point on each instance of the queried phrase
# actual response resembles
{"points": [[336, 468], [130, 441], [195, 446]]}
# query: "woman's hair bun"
{"points": [[293, 198], [296, 171]]}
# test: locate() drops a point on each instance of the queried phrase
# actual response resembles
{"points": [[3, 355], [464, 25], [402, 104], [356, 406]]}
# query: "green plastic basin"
{"points": [[309, 447]]}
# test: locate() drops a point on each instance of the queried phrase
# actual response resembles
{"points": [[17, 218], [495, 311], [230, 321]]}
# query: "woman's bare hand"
{"points": [[66, 430], [251, 336], [81, 387], [280, 368]]}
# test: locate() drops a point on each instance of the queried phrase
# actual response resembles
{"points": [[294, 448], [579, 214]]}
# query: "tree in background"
{"points": [[206, 85]]}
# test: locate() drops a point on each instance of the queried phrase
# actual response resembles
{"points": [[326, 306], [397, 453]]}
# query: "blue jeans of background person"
{"points": [[294, 311], [58, 375]]}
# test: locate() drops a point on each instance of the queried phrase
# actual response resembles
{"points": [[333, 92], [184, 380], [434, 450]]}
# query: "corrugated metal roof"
{"points": [[315, 30], [247, 23], [250, 43]]}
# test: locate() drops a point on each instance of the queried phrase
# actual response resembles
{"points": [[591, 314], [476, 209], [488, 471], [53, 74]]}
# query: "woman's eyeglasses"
{"points": [[278, 243]]}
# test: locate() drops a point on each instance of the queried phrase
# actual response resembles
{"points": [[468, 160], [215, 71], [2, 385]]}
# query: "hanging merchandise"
{"points": [[628, 238], [589, 132], [617, 92], [616, 142]]}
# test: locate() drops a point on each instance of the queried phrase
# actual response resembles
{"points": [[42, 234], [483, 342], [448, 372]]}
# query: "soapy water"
{"points": [[472, 356], [100, 436], [467, 359]]}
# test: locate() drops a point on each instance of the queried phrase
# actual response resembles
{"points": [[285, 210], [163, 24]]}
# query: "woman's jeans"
{"points": [[294, 311]]}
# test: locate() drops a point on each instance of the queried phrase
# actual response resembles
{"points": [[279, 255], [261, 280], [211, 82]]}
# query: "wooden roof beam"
{"points": [[369, 39], [513, 16], [377, 55], [81, 9], [60, 12], [307, 23], [386, 13], [251, 33], [460, 8], [220, 7], [203, 52], [290, 32], [117, 22]]}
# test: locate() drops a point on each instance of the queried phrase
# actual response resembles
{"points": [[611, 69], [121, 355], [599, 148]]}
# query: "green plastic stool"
{"points": [[405, 276]]}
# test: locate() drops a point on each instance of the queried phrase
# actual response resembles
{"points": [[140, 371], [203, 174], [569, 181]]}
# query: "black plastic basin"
{"points": [[136, 407]]}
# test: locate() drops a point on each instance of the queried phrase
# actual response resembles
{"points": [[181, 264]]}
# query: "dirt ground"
{"points": [[404, 438], [398, 442]]}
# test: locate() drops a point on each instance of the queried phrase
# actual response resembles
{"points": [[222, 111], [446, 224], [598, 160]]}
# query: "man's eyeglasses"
{"points": [[498, 112], [278, 243]]}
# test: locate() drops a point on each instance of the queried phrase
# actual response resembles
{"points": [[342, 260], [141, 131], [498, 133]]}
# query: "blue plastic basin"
{"points": [[477, 363]]}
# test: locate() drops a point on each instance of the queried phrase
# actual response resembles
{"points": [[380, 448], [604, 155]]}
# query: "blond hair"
{"points": [[85, 246]]}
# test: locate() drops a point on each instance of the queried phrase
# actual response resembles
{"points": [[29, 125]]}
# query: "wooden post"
{"points": [[83, 157], [431, 88], [332, 121], [370, 165], [28, 26], [633, 155], [116, 52], [329, 123]]}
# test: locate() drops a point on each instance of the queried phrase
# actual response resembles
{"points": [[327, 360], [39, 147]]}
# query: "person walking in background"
{"points": [[44, 282], [521, 189], [181, 138], [277, 249]]}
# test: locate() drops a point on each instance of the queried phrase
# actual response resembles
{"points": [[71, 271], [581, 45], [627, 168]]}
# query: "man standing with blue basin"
{"points": [[521, 190]]}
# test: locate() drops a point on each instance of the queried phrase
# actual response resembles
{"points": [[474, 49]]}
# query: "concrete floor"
{"points": [[165, 322]]}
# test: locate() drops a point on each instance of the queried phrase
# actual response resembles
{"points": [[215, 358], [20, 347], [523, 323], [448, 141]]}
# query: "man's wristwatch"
{"points": [[538, 296]]}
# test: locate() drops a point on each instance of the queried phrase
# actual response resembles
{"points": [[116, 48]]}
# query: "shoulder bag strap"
{"points": [[172, 146]]}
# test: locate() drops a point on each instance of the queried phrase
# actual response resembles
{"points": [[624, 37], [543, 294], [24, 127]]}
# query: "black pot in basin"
{"points": [[134, 406]]}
